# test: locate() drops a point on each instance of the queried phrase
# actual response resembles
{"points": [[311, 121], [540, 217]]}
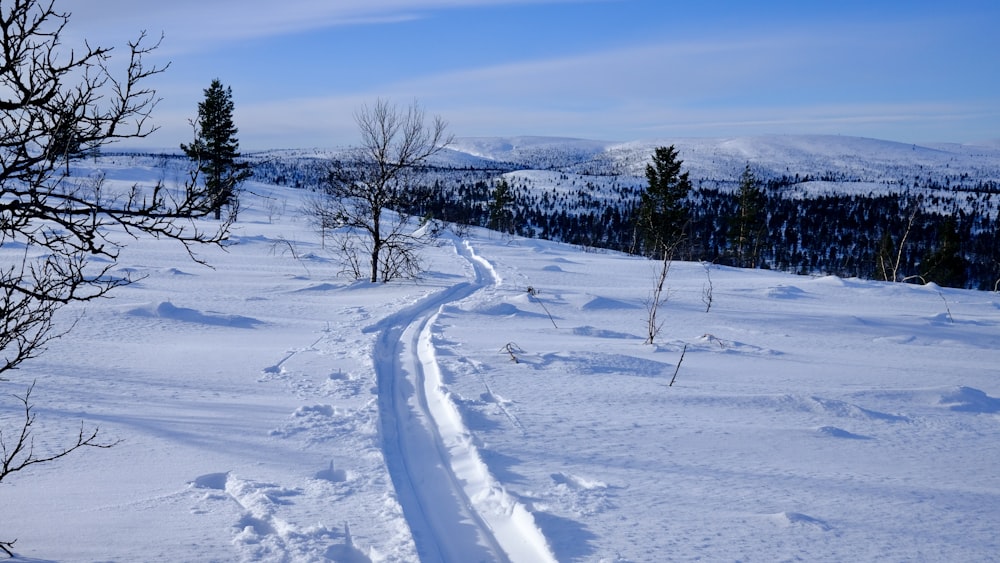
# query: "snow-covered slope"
{"points": [[270, 410], [853, 158], [719, 159]]}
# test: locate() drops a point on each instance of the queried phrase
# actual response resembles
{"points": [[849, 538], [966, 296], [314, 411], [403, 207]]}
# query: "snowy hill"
{"points": [[532, 152], [271, 410], [717, 161], [853, 158]]}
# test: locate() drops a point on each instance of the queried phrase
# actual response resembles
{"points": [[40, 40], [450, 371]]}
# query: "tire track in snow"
{"points": [[456, 510]]}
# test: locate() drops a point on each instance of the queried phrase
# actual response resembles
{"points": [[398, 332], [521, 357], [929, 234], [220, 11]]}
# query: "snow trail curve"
{"points": [[456, 510]]}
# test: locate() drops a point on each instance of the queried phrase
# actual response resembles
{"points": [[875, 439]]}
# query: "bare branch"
{"points": [[678, 368], [19, 454], [56, 103], [380, 176]]}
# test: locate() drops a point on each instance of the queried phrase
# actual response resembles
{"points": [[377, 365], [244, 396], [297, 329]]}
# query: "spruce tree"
{"points": [[215, 149], [747, 228], [663, 212], [501, 217], [945, 265]]}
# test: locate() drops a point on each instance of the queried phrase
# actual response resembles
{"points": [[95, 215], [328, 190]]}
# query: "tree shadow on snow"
{"points": [[570, 540], [500, 466]]}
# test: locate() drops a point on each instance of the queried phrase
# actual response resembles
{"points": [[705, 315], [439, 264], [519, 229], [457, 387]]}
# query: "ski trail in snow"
{"points": [[456, 510]]}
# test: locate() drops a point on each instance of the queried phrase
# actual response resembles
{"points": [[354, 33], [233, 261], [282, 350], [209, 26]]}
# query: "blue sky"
{"points": [[620, 70]]}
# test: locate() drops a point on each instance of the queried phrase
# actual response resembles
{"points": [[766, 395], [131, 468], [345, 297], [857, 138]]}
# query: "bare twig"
{"points": [[657, 297], [890, 272], [534, 294], [678, 368], [946, 307], [20, 452], [706, 290], [512, 349]]}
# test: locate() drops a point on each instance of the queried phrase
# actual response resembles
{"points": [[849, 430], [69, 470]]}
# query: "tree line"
{"points": [[930, 231]]}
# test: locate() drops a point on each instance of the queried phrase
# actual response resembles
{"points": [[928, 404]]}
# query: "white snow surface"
{"points": [[271, 410]]}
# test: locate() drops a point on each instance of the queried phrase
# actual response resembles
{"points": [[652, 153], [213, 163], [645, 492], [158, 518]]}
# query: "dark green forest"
{"points": [[941, 230]]}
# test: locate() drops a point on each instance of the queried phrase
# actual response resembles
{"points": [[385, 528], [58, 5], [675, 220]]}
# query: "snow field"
{"points": [[273, 411]]}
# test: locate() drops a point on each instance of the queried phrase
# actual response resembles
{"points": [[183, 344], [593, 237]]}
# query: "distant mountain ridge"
{"points": [[850, 158]]}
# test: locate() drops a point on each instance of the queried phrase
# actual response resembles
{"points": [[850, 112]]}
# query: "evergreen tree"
{"points": [[945, 264], [501, 217], [215, 149], [747, 227], [663, 213]]}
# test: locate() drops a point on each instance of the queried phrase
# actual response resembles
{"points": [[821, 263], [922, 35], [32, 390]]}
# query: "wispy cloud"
{"points": [[191, 25], [850, 76]]}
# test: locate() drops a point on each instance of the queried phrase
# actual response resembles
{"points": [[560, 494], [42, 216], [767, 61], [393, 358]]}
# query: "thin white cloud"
{"points": [[193, 24], [801, 80], [675, 74]]}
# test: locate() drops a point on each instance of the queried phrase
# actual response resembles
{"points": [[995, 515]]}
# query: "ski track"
{"points": [[456, 510]]}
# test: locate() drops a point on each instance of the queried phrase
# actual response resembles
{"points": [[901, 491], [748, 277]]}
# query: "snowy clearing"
{"points": [[270, 410]]}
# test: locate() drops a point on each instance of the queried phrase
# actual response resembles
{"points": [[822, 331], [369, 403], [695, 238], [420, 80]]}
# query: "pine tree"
{"points": [[747, 228], [501, 217], [215, 149], [663, 213], [945, 264]]}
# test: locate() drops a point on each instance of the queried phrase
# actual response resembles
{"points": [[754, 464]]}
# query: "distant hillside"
{"points": [[721, 159], [834, 204]]}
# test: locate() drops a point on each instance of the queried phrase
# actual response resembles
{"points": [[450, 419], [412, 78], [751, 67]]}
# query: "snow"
{"points": [[270, 410]]}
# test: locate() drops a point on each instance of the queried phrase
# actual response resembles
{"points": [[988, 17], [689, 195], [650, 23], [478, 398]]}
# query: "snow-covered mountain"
{"points": [[851, 158], [715, 160]]}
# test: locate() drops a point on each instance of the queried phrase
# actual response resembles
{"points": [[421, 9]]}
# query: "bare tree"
{"points": [[61, 236], [659, 295], [890, 255], [377, 177], [708, 289]]}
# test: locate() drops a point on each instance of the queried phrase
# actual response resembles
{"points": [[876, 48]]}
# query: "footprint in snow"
{"points": [[216, 481]]}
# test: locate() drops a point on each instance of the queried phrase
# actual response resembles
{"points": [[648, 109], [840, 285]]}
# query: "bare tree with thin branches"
{"points": [[378, 177], [890, 256]]}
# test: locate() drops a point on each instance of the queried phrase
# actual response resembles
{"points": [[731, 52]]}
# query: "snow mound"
{"points": [[216, 481], [786, 292], [603, 333], [834, 432], [167, 310], [968, 399], [332, 475], [847, 410], [577, 482], [797, 519], [607, 303]]}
